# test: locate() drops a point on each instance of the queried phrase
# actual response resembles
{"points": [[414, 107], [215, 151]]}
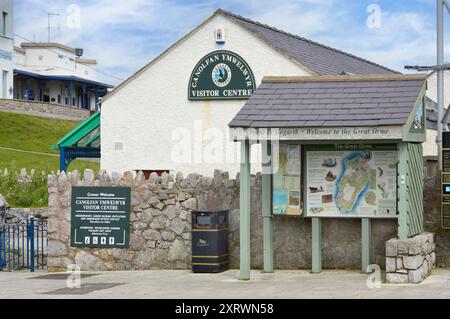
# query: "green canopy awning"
{"points": [[82, 142], [84, 135]]}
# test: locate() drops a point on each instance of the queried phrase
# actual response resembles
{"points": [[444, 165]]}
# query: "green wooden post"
{"points": [[245, 211], [316, 231], [267, 207], [402, 191], [366, 236]]}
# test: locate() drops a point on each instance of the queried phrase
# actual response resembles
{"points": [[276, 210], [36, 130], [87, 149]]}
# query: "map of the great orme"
{"points": [[354, 183], [356, 180]]}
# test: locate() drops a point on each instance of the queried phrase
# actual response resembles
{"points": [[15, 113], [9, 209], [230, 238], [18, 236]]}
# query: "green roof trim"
{"points": [[72, 138]]}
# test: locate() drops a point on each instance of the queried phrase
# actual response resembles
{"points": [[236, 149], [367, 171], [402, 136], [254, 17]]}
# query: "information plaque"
{"points": [[445, 181], [100, 217]]}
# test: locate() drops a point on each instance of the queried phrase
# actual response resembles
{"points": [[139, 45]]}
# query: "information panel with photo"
{"points": [[286, 198], [351, 182]]}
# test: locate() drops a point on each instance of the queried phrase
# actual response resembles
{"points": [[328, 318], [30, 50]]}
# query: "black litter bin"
{"points": [[209, 241]]}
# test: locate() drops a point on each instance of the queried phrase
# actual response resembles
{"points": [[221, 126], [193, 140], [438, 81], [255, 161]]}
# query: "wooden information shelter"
{"points": [[333, 147]]}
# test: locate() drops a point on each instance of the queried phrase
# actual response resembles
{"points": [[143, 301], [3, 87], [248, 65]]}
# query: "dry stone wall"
{"points": [[410, 260], [43, 109], [161, 225]]}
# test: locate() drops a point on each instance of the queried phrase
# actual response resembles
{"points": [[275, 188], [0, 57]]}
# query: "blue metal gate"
{"points": [[23, 245]]}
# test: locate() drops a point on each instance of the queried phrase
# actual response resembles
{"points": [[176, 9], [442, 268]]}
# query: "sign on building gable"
{"points": [[221, 75], [100, 217]]}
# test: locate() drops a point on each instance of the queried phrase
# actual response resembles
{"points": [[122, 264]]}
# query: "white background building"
{"points": [[148, 121], [52, 72], [6, 49]]}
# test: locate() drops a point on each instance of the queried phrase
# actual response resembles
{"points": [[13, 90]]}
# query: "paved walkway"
{"points": [[184, 284]]}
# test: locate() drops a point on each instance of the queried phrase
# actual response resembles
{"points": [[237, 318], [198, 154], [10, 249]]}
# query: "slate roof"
{"points": [[331, 101], [320, 59]]}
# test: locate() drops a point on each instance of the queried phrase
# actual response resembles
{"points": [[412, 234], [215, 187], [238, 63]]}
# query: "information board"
{"points": [[351, 180], [100, 217], [286, 199], [445, 181]]}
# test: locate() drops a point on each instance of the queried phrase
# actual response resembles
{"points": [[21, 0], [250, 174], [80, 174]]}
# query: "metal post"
{"points": [[440, 76], [27, 90], [62, 159], [31, 241], [245, 211], [267, 206], [366, 234], [316, 247], [84, 97], [2, 246], [69, 89], [40, 93], [96, 99]]}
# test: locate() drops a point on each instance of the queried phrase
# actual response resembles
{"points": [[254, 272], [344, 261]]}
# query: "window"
{"points": [[4, 23]]}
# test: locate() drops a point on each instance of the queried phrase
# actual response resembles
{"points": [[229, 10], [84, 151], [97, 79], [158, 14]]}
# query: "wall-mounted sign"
{"points": [[6, 55], [445, 180], [100, 217], [340, 133], [286, 183], [351, 181], [318, 133], [221, 75]]}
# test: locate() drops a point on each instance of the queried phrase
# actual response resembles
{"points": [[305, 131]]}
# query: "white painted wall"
{"points": [[19, 58], [145, 113], [430, 147], [6, 47], [432, 87], [54, 61], [86, 71]]}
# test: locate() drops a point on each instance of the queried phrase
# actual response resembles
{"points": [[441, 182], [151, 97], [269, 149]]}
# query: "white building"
{"points": [[55, 73], [6, 49], [173, 114], [430, 147]]}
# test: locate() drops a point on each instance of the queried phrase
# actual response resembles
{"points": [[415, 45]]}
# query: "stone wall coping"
{"points": [[44, 109]]}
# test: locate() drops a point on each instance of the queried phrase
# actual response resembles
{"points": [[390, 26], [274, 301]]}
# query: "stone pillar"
{"points": [[410, 260]]}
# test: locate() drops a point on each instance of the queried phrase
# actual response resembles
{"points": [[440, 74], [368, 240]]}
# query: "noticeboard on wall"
{"points": [[100, 217], [445, 180], [286, 183], [351, 180]]}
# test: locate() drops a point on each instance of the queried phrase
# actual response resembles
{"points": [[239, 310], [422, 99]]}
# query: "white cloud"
{"points": [[125, 35]]}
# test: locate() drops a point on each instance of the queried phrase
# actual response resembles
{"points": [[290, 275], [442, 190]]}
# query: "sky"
{"points": [[125, 35]]}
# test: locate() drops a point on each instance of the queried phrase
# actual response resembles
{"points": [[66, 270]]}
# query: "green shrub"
{"points": [[24, 194]]}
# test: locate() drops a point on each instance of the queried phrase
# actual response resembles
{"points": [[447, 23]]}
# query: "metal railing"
{"points": [[23, 245]]}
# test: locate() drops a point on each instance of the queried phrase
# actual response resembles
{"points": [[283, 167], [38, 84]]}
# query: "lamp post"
{"points": [[439, 68]]}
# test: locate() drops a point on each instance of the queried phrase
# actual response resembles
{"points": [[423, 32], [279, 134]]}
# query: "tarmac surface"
{"points": [[181, 284]]}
